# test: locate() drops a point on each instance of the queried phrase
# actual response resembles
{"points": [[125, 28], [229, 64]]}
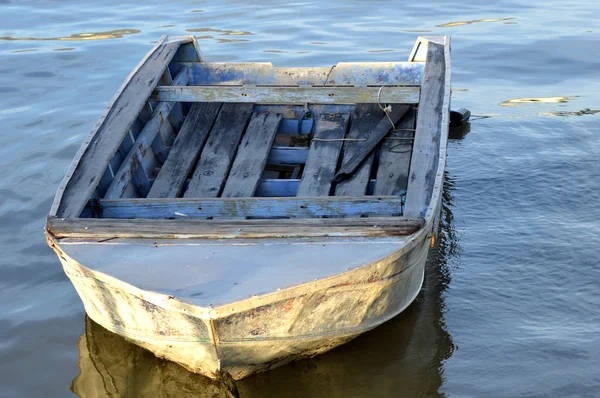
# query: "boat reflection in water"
{"points": [[404, 356]]}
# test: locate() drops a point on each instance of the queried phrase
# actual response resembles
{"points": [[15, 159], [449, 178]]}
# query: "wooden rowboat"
{"points": [[235, 217]]}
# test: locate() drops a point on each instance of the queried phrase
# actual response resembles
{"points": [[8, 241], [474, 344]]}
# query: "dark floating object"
{"points": [[459, 117]]}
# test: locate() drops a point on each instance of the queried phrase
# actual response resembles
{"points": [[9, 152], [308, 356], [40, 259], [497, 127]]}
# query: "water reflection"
{"points": [[403, 357], [551, 100], [113, 34], [461, 23], [583, 112]]}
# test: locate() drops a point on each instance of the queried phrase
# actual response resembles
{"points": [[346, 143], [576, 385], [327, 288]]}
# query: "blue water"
{"points": [[510, 305]]}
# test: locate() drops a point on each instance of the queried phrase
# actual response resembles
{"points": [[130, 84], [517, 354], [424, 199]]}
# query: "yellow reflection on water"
{"points": [[224, 32], [461, 23], [113, 34], [520, 101], [231, 40]]}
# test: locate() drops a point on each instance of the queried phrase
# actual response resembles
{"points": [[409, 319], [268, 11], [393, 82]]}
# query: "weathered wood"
{"points": [[105, 228], [344, 73], [394, 158], [364, 119], [216, 158], [287, 95], [424, 161], [251, 158], [112, 128], [375, 136], [176, 116], [287, 187], [185, 150], [303, 207], [142, 143], [323, 156], [295, 111], [288, 155]]}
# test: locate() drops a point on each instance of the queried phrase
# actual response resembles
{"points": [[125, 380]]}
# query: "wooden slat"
{"points": [[323, 156], [216, 158], [185, 150], [252, 155], [344, 73], [288, 155], [304, 207], [111, 130], [284, 188], [364, 119], [394, 159], [375, 136], [176, 116], [287, 95], [424, 162], [105, 228], [142, 143]]}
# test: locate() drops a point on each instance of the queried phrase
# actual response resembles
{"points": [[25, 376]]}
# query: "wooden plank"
{"points": [[394, 159], [176, 116], [216, 158], [304, 207], [344, 73], [142, 143], [323, 157], [288, 155], [364, 119], [252, 155], [185, 151], [112, 128], [287, 95], [288, 187], [426, 148], [106, 228], [367, 147]]}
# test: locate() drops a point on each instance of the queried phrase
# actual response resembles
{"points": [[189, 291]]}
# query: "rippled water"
{"points": [[510, 305]]}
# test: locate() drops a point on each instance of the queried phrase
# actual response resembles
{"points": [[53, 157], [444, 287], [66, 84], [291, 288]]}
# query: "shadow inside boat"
{"points": [[403, 357]]}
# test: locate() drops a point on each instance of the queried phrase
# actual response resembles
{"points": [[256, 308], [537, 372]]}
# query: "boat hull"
{"points": [[260, 333]]}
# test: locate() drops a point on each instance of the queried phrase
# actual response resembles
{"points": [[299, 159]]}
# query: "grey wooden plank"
{"points": [[323, 156], [176, 116], [394, 159], [303, 207], [251, 158], [344, 73], [375, 136], [142, 144], [112, 128], [426, 148], [185, 150], [288, 95], [106, 228], [364, 119], [216, 157]]}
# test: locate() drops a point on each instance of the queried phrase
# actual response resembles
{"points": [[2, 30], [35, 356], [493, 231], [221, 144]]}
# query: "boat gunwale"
{"points": [[75, 163]]}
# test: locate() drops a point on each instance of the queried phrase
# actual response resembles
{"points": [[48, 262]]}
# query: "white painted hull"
{"points": [[260, 332]]}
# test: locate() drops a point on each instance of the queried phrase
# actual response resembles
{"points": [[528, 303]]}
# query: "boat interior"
{"points": [[188, 139]]}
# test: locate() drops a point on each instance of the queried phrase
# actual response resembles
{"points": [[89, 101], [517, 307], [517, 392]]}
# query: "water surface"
{"points": [[510, 304]]}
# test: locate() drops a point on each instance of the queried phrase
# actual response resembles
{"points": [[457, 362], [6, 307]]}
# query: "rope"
{"points": [[388, 108], [328, 74]]}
